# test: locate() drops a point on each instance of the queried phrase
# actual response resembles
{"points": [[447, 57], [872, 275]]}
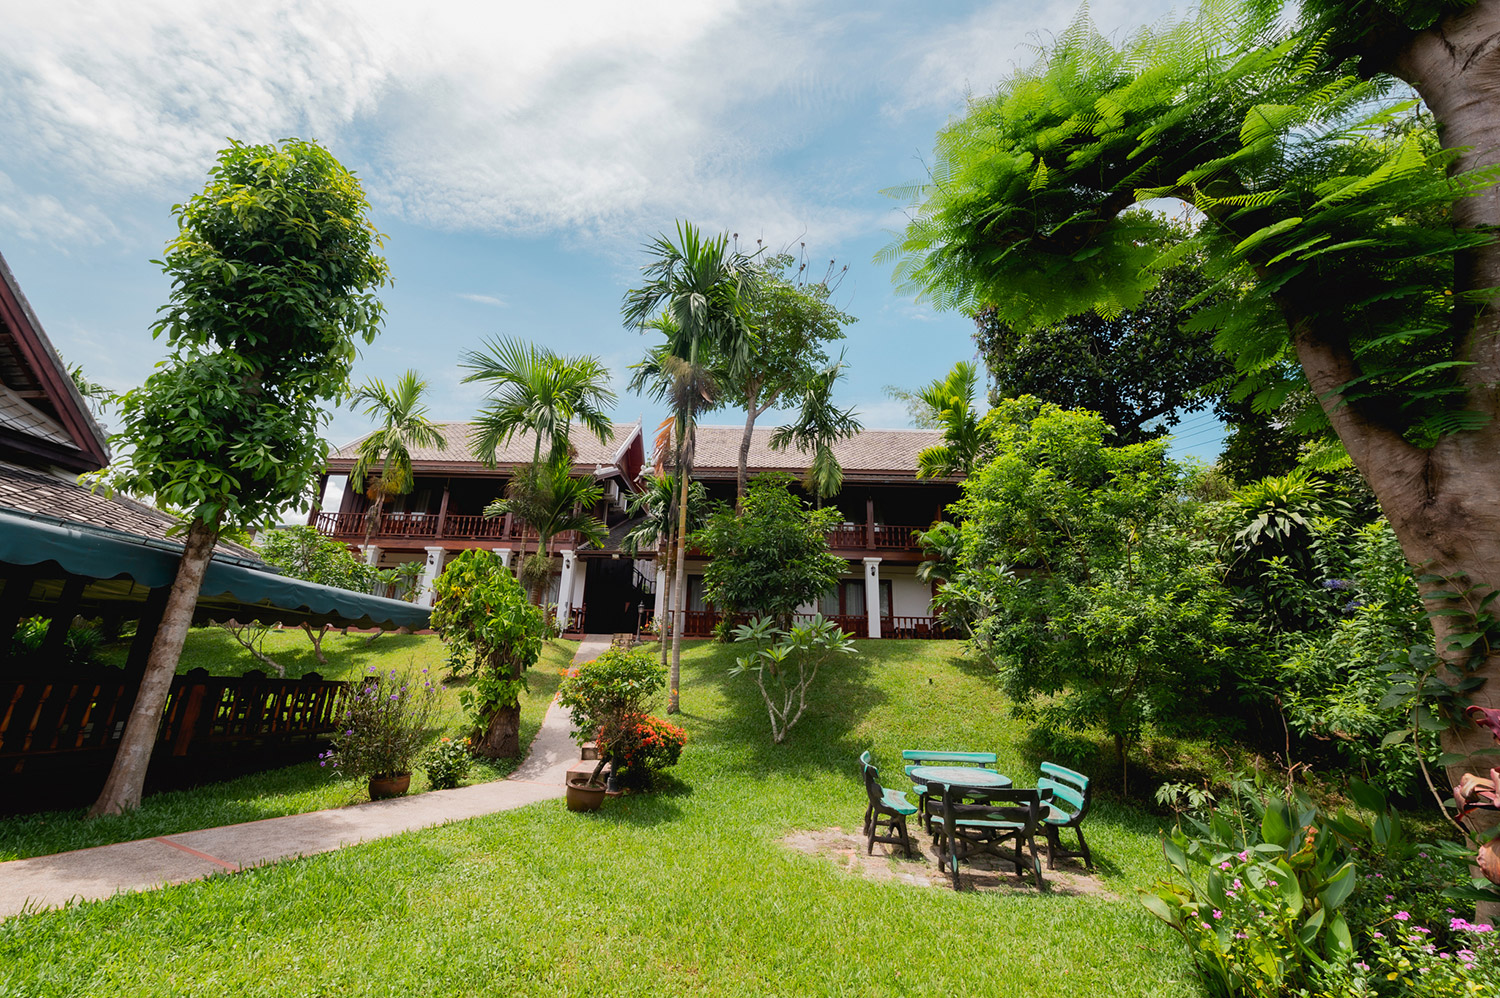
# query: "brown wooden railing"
{"points": [[848, 536], [52, 716], [915, 627], [351, 526]]}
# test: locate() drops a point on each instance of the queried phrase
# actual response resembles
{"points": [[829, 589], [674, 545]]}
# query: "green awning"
{"points": [[126, 567]]}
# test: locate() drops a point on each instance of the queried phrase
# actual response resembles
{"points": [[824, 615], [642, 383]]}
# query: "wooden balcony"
{"points": [[400, 526]]}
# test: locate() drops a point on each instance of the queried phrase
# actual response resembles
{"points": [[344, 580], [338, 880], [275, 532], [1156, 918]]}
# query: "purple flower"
{"points": [[1338, 585]]}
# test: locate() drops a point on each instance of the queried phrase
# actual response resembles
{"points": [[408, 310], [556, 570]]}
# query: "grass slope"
{"points": [[684, 891], [292, 789]]}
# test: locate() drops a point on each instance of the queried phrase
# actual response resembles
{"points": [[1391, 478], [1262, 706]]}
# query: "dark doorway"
{"points": [[611, 596]]}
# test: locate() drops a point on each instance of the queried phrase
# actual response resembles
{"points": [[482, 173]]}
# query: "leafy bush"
{"points": [[448, 762], [770, 555], [484, 617], [1275, 898], [384, 727], [1400, 960], [80, 648], [607, 695]]}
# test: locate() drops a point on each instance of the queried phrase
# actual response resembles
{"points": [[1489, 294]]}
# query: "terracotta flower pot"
{"points": [[382, 787], [583, 795]]}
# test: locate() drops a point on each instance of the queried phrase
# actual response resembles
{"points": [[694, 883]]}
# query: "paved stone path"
{"points": [[145, 864]]}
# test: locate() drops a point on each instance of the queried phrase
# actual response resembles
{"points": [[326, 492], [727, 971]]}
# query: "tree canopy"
{"points": [[1350, 234], [274, 276]]}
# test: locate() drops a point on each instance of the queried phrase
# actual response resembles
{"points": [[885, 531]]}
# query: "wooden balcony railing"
{"points": [[351, 527]]}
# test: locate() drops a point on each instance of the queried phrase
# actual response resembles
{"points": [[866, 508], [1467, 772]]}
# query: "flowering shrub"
{"points": [[1401, 960], [1270, 898], [605, 695], [385, 724], [644, 746], [448, 762]]}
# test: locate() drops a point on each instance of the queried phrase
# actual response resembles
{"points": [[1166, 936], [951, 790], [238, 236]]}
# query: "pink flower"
{"points": [[1401, 916], [1224, 865], [1218, 913], [1245, 856]]}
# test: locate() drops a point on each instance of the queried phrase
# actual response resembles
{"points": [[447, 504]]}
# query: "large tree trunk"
{"points": [[501, 737], [1444, 504], [127, 775]]}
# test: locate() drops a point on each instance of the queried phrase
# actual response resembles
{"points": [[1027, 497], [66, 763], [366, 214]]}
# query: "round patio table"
{"points": [[960, 776], [939, 779]]}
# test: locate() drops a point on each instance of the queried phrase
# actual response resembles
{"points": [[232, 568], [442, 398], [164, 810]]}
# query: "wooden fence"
{"points": [[84, 715]]}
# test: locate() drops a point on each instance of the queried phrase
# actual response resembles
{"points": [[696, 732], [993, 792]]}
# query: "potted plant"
{"points": [[604, 696], [384, 726]]}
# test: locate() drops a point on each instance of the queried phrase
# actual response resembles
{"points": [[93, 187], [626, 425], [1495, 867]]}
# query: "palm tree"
{"points": [[693, 294], [819, 425], [532, 388], [403, 425], [951, 401], [546, 495], [655, 504]]}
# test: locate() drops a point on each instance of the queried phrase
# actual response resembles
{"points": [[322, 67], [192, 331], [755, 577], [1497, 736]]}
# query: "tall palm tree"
{"points": [[951, 402], [532, 388], [655, 504], [694, 294], [402, 416], [546, 495], [819, 425]]}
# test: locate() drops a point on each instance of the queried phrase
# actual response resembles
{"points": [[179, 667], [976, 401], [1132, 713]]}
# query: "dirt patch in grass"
{"points": [[979, 873]]}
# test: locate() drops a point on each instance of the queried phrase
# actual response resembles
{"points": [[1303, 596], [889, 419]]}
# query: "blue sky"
{"points": [[516, 157]]}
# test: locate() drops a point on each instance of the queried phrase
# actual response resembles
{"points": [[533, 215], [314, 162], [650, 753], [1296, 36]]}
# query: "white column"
{"points": [[504, 554], [430, 572], [872, 596], [661, 594], [372, 554], [565, 590]]}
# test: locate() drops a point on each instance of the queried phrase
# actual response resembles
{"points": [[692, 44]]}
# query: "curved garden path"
{"points": [[146, 864]]}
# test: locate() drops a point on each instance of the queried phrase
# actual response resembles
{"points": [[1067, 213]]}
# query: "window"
{"points": [[847, 599]]}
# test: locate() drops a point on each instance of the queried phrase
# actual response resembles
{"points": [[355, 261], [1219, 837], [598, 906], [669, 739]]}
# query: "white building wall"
{"points": [[909, 598]]}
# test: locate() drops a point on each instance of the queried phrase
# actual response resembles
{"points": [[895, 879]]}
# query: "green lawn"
{"points": [[292, 789], [685, 891]]}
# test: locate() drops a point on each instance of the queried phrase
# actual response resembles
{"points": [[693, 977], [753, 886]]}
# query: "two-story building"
{"points": [[604, 590], [443, 514], [884, 506]]}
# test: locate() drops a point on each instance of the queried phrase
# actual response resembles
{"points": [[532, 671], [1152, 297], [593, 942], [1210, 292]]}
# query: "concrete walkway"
{"points": [[145, 864]]}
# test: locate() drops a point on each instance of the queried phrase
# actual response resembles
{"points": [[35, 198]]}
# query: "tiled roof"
{"points": [[31, 491], [871, 452], [19, 416], [519, 450]]}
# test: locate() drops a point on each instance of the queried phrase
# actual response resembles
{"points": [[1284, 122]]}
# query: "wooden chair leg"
{"points": [[1083, 847], [905, 841], [1054, 846]]}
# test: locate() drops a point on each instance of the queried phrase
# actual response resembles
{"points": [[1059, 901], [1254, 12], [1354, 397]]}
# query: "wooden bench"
{"points": [[1070, 803], [924, 757], [970, 819], [885, 808]]}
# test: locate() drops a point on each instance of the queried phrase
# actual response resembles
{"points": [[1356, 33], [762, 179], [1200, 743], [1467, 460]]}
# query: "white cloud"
{"points": [[490, 300], [590, 116], [968, 58], [45, 219]]}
